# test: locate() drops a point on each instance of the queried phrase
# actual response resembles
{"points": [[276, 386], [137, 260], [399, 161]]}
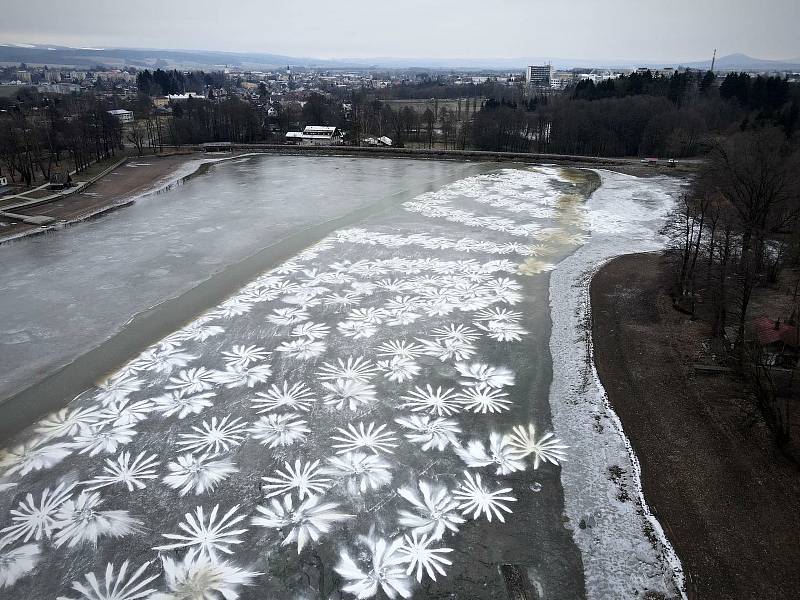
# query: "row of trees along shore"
{"points": [[735, 232]]}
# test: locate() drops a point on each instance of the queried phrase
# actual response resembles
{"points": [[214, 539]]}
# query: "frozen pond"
{"points": [[373, 417], [63, 293]]}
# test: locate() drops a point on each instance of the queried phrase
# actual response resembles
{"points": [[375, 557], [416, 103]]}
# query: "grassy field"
{"points": [[422, 105]]}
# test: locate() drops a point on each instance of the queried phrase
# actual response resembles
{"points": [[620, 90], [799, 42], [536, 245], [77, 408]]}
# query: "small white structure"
{"points": [[3, 181], [182, 97], [124, 116], [294, 137], [315, 135], [380, 141], [320, 135]]}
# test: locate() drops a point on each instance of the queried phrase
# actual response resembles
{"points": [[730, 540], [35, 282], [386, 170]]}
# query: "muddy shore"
{"points": [[727, 499]]}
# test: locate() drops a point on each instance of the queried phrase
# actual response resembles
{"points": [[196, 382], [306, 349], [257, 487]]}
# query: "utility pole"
{"points": [[713, 60]]}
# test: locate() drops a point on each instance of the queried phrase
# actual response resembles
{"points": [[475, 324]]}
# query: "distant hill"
{"points": [[149, 58], [207, 59], [732, 62]]}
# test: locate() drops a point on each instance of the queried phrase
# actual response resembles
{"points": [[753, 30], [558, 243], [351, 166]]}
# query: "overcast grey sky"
{"points": [[664, 30]]}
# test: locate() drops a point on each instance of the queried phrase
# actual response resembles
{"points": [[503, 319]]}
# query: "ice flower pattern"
{"points": [[199, 473], [279, 430], [209, 535], [304, 478], [296, 397], [434, 510], [546, 449], [79, 520], [115, 586], [16, 563], [375, 439], [36, 520], [308, 522], [477, 499], [198, 577]]}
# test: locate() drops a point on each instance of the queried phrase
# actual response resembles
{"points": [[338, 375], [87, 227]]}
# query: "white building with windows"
{"points": [[124, 116], [539, 76]]}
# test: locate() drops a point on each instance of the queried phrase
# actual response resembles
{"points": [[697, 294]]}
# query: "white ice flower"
{"points": [[279, 430], [400, 349], [348, 393], [33, 455], [199, 331], [435, 510], [36, 519], [288, 316], [456, 333], [547, 448], [342, 301], [302, 477], [115, 586], [303, 348], [370, 316], [505, 290], [220, 435], [416, 551], [501, 453], [235, 376], [481, 375], [357, 369], [162, 360], [191, 381], [125, 412], [200, 578], [384, 573], [207, 536], [432, 402], [371, 437], [430, 432], [178, 403], [15, 563], [399, 369], [501, 315], [201, 473], [502, 331], [67, 422], [117, 388], [477, 499], [241, 356], [312, 331], [297, 397], [79, 520], [309, 521], [356, 329], [484, 400], [94, 439], [131, 473], [448, 349], [361, 472]]}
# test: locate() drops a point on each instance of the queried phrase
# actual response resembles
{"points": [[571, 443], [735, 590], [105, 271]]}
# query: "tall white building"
{"points": [[539, 75]]}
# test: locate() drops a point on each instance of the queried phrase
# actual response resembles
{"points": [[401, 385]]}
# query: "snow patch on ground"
{"points": [[625, 551]]}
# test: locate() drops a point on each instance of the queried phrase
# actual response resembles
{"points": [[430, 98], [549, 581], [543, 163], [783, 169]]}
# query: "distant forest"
{"points": [[641, 114]]}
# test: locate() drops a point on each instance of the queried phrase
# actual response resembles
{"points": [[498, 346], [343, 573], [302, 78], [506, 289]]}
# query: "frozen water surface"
{"points": [[378, 416]]}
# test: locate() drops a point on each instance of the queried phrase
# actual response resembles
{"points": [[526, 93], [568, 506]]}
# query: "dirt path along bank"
{"points": [[727, 499]]}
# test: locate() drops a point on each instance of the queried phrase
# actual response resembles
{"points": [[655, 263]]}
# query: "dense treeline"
{"points": [[639, 114], [736, 230], [160, 82], [67, 132]]}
